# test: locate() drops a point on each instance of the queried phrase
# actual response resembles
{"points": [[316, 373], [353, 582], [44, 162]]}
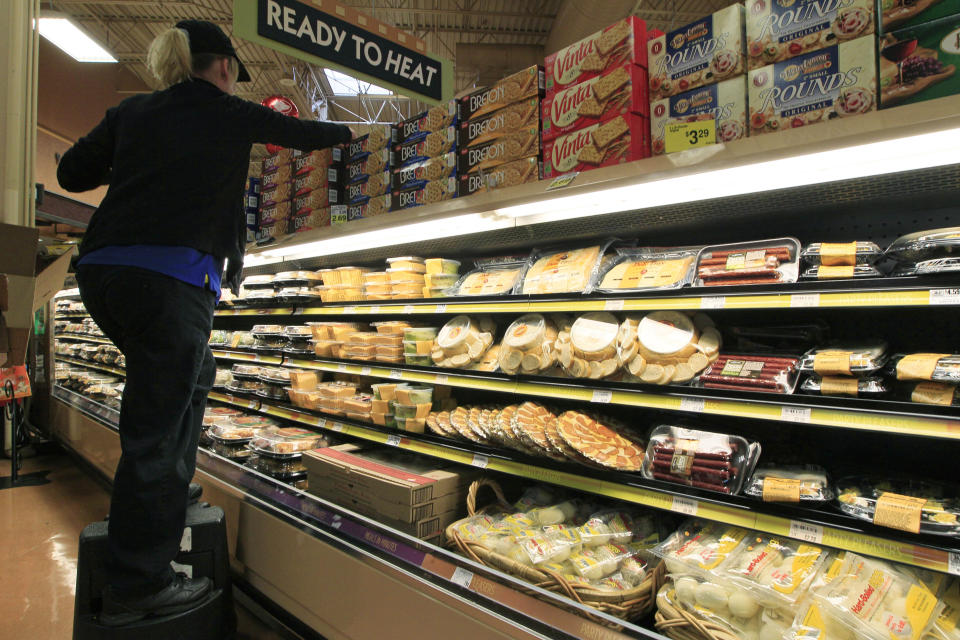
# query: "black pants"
{"points": [[162, 326]]}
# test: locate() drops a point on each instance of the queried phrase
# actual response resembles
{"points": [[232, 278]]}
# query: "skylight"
{"points": [[344, 85]]}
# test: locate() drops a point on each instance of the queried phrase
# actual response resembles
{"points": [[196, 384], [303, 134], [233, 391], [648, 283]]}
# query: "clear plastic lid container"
{"points": [[844, 359], [337, 389], [790, 483], [391, 327], [925, 245], [267, 330], [438, 266], [258, 282], [490, 280], [260, 295], [289, 441], [249, 420], [272, 391], [377, 289], [414, 394], [298, 331], [823, 272], [411, 410], [244, 386], [246, 371], [420, 333], [562, 270], [383, 351], [299, 294], [701, 459], [937, 393], [227, 431], [841, 253], [937, 265], [751, 372], [407, 289], [388, 340], [220, 336], [275, 375], [407, 263], [867, 387], [935, 367], [285, 277], [645, 269], [859, 497], [376, 277], [773, 261], [528, 345], [440, 280], [405, 275], [421, 361], [242, 339]]}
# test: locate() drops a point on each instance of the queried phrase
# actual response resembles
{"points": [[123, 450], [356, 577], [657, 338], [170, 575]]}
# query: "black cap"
{"points": [[206, 37]]}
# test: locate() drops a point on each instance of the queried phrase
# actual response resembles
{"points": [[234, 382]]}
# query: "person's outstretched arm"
{"points": [[87, 164], [268, 126]]}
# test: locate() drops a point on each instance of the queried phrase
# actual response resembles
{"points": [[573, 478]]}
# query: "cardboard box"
{"points": [[376, 140], [779, 31], [319, 198], [898, 14], [726, 103], [517, 145], [505, 175], [620, 90], [935, 55], [273, 213], [341, 492], [16, 377], [359, 192], [319, 159], [703, 52], [624, 42], [433, 119], [367, 166], [839, 81], [577, 151], [415, 176], [527, 83], [430, 193], [276, 193], [509, 119], [310, 219], [372, 207], [26, 289], [432, 145]]}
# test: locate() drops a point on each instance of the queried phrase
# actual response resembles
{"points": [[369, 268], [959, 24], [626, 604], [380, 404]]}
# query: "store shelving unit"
{"points": [[94, 365], [79, 337]]}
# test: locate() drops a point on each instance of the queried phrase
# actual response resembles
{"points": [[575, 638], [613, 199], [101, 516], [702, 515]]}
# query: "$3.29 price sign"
{"points": [[689, 135]]}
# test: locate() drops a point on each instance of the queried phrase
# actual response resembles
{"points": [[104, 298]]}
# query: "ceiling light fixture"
{"points": [[63, 33]]}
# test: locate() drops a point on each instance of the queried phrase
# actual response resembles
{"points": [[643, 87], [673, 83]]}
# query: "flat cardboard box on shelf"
{"points": [[620, 90], [342, 492], [515, 146], [415, 176], [623, 138], [433, 119], [623, 42], [434, 144], [431, 193], [511, 118], [527, 83], [375, 206], [378, 138], [504, 175], [367, 166], [724, 102], [309, 220], [898, 14], [360, 192], [26, 289], [937, 52]]}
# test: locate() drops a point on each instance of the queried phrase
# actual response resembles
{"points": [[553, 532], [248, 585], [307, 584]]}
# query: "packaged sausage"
{"points": [[841, 254], [760, 262], [751, 372], [846, 359], [808, 483], [643, 269], [491, 280], [903, 503], [527, 345], [936, 367], [823, 272], [873, 387], [562, 270], [701, 459]]}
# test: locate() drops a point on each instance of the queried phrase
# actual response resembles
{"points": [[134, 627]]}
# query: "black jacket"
{"points": [[176, 164]]}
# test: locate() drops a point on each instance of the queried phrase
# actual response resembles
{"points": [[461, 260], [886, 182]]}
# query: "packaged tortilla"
{"points": [[867, 387], [823, 272], [936, 367]]}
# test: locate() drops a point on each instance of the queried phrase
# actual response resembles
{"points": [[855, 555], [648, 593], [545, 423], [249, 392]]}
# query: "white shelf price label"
{"points": [[953, 563], [396, 374], [441, 308], [342, 368], [462, 577], [806, 532], [393, 440], [408, 308], [713, 302], [337, 426], [365, 371], [695, 405], [687, 506], [441, 378], [321, 423], [805, 300], [375, 309], [944, 296], [480, 460], [602, 396], [795, 414], [349, 309], [613, 305]]}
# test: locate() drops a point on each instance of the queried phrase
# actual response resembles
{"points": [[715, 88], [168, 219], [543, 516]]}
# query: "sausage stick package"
{"points": [[751, 372], [701, 459], [760, 262]]}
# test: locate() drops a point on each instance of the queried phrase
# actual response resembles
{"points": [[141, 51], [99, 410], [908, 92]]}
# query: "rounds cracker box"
{"points": [[726, 103]]}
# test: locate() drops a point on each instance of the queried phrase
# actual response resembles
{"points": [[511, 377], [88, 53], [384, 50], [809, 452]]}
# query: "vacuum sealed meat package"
{"points": [[772, 261], [701, 459]]}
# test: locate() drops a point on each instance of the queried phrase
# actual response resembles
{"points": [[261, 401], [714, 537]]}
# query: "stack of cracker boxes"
{"points": [[424, 158], [366, 176], [596, 109], [498, 133], [297, 190]]}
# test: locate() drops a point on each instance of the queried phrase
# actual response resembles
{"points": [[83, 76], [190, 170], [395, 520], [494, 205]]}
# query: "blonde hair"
{"points": [[170, 61]]}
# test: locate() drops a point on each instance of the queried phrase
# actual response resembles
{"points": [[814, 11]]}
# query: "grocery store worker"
{"points": [[149, 272]]}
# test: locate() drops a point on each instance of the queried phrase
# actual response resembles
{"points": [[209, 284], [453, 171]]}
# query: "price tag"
{"points": [[679, 136], [953, 563], [408, 308], [365, 371], [602, 395], [349, 309], [462, 577], [441, 308], [944, 296], [795, 414], [375, 309], [393, 441], [562, 181], [613, 305], [396, 374], [686, 506], [338, 217], [480, 461], [806, 532], [321, 423], [805, 300], [713, 302], [692, 404], [342, 368], [337, 426], [441, 378]]}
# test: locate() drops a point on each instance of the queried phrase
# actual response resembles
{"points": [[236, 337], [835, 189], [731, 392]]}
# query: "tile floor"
{"points": [[38, 551]]}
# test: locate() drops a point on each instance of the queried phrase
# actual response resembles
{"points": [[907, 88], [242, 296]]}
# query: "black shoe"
{"points": [[180, 595], [194, 491]]}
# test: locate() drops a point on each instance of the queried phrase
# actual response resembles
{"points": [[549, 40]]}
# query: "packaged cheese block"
{"points": [[642, 269], [599, 443], [561, 271], [528, 345], [490, 280]]}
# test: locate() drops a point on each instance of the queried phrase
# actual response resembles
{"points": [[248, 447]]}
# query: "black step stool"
{"points": [[203, 553]]}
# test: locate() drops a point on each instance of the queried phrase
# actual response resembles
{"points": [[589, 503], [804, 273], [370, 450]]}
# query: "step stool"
{"points": [[203, 553]]}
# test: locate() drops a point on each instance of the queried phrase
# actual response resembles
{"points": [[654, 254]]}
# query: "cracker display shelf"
{"points": [[82, 338], [878, 293], [829, 528], [92, 365], [889, 417]]}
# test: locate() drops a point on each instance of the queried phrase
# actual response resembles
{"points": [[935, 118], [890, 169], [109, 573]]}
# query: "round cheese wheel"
{"points": [[454, 334], [666, 332], [526, 332], [595, 332]]}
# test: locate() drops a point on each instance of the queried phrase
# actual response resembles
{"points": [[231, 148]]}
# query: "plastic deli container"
{"points": [[925, 245], [772, 261], [841, 253], [407, 263], [490, 280], [562, 270], [414, 394], [422, 361], [288, 441], [257, 282], [376, 277], [528, 345], [867, 387], [646, 269], [391, 327], [867, 498], [844, 272], [936, 367], [845, 359], [246, 372], [438, 266], [700, 459], [352, 276], [938, 393], [790, 484]]}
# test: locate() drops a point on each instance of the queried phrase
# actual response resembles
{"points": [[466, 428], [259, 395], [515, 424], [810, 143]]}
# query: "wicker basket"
{"points": [[674, 622], [627, 605]]}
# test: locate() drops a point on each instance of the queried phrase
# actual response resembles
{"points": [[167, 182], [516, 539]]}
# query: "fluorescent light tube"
{"points": [[77, 44]]}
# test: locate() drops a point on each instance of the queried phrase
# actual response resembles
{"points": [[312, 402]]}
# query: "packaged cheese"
{"points": [[647, 268], [588, 348], [667, 347], [491, 280], [463, 341], [527, 345], [562, 271]]}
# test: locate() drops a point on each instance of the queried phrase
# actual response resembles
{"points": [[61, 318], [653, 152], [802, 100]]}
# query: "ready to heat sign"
{"points": [[342, 38]]}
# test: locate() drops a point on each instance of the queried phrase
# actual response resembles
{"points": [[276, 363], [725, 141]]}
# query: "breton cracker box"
{"points": [[280, 175], [415, 176], [432, 192], [307, 220], [26, 288], [359, 192], [277, 193], [417, 127], [432, 145], [307, 182], [702, 52], [514, 146], [373, 207], [319, 159], [316, 199], [275, 213], [271, 162], [367, 166], [504, 175], [518, 115], [836, 82], [374, 471], [623, 138], [898, 14], [624, 42], [619, 90], [527, 83], [377, 139], [726, 103], [779, 31], [937, 56]]}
